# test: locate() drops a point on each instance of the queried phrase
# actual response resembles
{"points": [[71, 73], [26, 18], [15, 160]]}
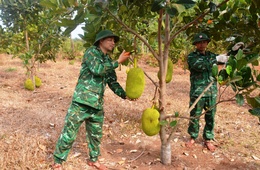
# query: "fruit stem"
{"points": [[135, 62]]}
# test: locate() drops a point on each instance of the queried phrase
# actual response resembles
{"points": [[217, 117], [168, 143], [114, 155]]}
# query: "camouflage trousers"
{"points": [[204, 103], [76, 115]]}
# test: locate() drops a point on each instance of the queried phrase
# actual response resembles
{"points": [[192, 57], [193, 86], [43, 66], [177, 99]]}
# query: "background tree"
{"points": [[29, 33], [157, 24]]}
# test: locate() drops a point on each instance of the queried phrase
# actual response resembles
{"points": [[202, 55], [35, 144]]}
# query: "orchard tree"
{"points": [[159, 23], [29, 32]]}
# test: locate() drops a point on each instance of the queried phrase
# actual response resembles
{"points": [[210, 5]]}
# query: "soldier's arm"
{"points": [[114, 85]]}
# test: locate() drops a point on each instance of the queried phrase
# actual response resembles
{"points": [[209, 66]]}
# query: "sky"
{"points": [[78, 30], [74, 34]]}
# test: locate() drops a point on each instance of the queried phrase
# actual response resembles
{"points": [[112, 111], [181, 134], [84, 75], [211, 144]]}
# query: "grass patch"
{"points": [[10, 69]]}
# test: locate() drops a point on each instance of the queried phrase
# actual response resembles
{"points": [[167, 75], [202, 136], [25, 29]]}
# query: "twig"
{"points": [[137, 156], [200, 96]]}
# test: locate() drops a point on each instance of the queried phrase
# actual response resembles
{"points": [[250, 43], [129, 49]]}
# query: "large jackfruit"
{"points": [[169, 73], [135, 83], [150, 122], [28, 84]]}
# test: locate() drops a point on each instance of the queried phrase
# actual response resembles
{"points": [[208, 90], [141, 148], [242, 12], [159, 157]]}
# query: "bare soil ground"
{"points": [[30, 123]]}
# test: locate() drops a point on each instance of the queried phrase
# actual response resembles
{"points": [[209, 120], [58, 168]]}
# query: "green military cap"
{"points": [[200, 37], [105, 34]]}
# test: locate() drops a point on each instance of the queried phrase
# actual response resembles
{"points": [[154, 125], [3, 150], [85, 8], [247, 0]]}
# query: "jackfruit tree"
{"points": [[156, 24]]}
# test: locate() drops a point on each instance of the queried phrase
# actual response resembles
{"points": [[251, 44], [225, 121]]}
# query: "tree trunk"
{"points": [[166, 153]]}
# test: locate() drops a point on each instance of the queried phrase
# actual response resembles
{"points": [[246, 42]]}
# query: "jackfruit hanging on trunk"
{"points": [[150, 121], [169, 73], [135, 82]]}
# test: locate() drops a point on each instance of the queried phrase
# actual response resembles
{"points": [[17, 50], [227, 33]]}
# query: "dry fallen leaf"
{"points": [[119, 150], [255, 158], [133, 151], [185, 153], [42, 147], [76, 155], [121, 162]]}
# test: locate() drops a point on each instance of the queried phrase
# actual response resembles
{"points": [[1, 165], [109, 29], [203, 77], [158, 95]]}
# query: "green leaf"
{"points": [[252, 57], [239, 55], [240, 99], [229, 69], [172, 11], [258, 77], [71, 2], [253, 101], [176, 114], [241, 63], [157, 5], [255, 112], [48, 4], [246, 73], [173, 123], [67, 22], [232, 62], [213, 7], [236, 78], [186, 3]]}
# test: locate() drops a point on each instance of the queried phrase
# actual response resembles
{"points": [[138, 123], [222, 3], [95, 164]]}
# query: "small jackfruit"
{"points": [[38, 82], [169, 73], [150, 122], [135, 83], [28, 84]]}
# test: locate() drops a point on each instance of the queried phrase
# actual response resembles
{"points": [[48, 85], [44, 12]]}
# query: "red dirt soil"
{"points": [[31, 121]]}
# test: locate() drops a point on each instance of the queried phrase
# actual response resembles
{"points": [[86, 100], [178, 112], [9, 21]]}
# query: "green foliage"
{"points": [[228, 23], [222, 77], [28, 84], [30, 32], [255, 112], [70, 49], [239, 75], [214, 70], [135, 83], [150, 122]]}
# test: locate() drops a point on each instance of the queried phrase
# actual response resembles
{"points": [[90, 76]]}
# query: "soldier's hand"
{"points": [[123, 56]]}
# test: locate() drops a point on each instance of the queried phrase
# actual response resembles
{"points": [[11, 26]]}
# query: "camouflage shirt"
{"points": [[97, 70], [200, 67]]}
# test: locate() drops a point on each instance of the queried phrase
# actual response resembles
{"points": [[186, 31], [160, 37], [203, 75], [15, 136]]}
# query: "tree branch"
{"points": [[135, 33]]}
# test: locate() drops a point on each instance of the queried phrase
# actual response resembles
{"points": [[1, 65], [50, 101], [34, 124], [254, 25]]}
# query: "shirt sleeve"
{"points": [[95, 60], [114, 85]]}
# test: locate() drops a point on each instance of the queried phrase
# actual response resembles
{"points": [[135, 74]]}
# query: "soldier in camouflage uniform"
{"points": [[97, 70], [200, 64]]}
